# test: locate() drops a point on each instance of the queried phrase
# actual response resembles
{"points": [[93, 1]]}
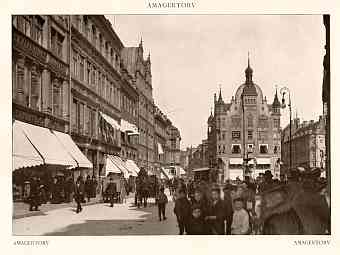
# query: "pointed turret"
{"points": [[220, 99], [276, 102], [249, 88]]}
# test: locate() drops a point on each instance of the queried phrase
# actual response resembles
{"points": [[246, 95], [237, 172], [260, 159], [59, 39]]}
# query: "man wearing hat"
{"points": [[228, 204], [268, 181], [216, 214]]}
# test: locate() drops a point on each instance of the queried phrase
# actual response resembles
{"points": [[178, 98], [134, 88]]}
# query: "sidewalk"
{"points": [[21, 209]]}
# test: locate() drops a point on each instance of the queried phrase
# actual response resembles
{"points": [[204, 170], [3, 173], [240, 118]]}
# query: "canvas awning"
{"points": [[48, 145], [110, 166], [24, 153], [263, 161], [236, 161], [160, 148], [128, 127], [73, 149], [111, 121], [121, 165], [132, 165], [201, 169]]}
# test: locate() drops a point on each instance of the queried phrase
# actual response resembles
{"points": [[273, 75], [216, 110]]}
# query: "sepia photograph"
{"points": [[126, 125]]}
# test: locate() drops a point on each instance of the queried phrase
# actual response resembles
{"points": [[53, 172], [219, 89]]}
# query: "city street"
{"points": [[99, 219]]}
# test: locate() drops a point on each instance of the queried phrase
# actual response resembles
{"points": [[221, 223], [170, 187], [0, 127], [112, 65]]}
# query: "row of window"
{"points": [[236, 122], [32, 88], [33, 25], [236, 149], [83, 119], [87, 72], [129, 105], [92, 33]]}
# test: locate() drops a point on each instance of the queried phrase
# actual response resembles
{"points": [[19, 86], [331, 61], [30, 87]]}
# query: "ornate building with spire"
{"points": [[245, 131], [140, 69]]}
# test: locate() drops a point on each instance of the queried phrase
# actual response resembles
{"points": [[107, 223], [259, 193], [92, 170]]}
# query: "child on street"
{"points": [[240, 225]]}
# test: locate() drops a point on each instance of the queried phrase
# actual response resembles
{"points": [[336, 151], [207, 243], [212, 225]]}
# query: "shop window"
{"points": [[236, 149], [263, 148]]}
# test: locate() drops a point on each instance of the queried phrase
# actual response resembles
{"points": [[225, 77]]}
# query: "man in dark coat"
{"points": [[88, 188], [216, 215], [79, 195], [183, 211], [94, 187], [228, 204], [34, 194], [111, 191], [201, 202], [196, 223]]}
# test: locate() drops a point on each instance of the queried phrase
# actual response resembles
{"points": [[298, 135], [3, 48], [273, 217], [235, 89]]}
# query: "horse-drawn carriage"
{"points": [[147, 186]]}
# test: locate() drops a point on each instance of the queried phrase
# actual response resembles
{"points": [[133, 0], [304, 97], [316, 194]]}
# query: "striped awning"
{"points": [[47, 144], [128, 127], [111, 121], [110, 167], [24, 153]]}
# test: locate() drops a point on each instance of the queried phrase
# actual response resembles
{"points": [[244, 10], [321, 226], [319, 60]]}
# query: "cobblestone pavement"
{"points": [[99, 219]]}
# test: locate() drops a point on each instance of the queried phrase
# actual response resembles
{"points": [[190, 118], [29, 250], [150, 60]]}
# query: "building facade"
{"points": [[308, 145], [140, 69], [73, 74], [40, 70], [96, 84], [245, 130], [161, 137]]}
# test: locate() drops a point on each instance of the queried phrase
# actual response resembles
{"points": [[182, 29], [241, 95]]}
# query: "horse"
{"points": [[291, 210]]}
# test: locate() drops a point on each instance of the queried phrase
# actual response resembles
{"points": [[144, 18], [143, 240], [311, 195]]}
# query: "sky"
{"points": [[193, 55]]}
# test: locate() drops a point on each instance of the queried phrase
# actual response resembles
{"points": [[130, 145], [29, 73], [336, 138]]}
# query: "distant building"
{"points": [[247, 127], [308, 145]]}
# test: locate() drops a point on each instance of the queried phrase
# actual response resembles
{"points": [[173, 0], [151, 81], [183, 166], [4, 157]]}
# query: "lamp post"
{"points": [[283, 92]]}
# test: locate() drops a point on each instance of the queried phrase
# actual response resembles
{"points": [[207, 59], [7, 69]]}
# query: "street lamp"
{"points": [[283, 92]]}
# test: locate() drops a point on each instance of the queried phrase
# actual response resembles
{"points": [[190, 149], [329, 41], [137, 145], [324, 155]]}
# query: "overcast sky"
{"points": [[192, 54]]}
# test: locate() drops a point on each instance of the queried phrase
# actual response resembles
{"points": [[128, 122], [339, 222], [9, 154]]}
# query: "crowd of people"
{"points": [[297, 206], [60, 189]]}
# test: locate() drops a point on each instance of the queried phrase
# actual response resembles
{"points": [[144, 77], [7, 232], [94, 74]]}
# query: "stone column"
{"points": [[20, 78]]}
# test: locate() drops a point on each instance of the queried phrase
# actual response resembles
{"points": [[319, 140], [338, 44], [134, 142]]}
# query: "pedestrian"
{"points": [[161, 201], [199, 201], [34, 194], [111, 191], [216, 214], [122, 190], [228, 205], [197, 224], [240, 225], [182, 211], [79, 195], [94, 187], [88, 188]]}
